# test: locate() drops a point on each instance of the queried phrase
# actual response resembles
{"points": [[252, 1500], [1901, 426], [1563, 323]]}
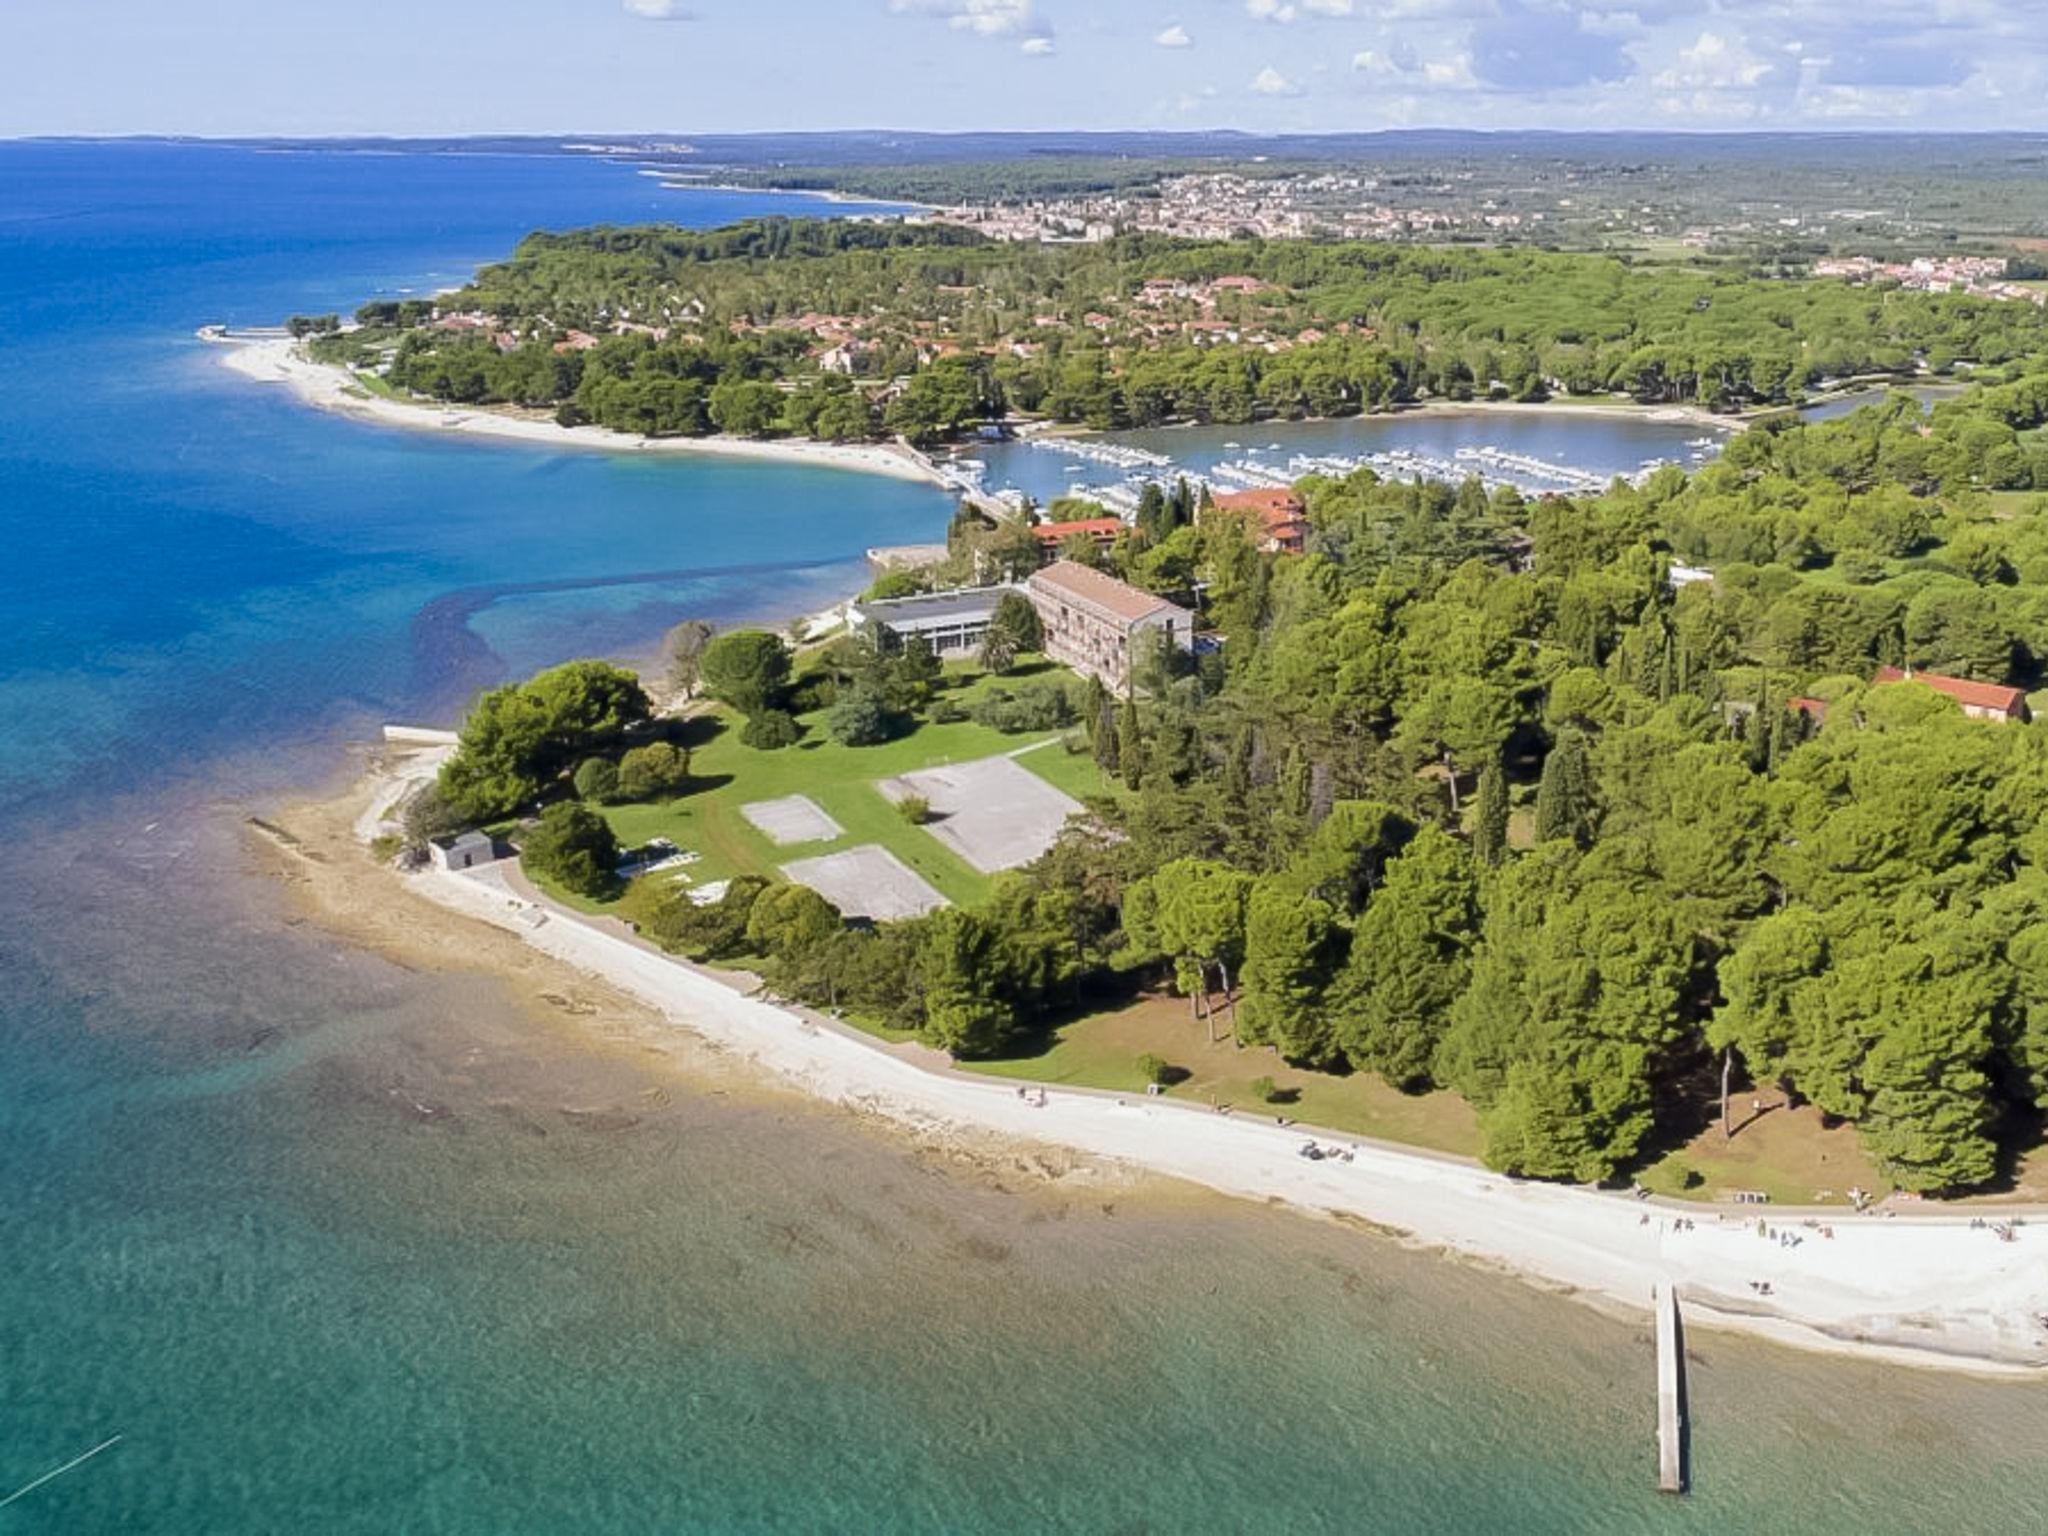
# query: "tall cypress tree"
{"points": [[1294, 783], [1153, 515], [1564, 795], [1237, 767], [1130, 746], [1490, 829], [1780, 740]]}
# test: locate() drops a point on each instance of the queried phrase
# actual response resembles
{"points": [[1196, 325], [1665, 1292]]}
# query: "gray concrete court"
{"points": [[868, 881], [993, 812], [792, 819]]}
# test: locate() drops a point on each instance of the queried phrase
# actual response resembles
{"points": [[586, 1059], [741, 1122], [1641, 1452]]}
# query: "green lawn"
{"points": [[842, 782], [1792, 1155], [1102, 1051]]}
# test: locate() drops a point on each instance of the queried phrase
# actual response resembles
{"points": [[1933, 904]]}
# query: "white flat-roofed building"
{"points": [[952, 623]]}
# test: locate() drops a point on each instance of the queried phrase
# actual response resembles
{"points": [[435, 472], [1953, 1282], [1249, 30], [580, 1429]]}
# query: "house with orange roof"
{"points": [[1052, 537], [1980, 701], [1281, 515]]}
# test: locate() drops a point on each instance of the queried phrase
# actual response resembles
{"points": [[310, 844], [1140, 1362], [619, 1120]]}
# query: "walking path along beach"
{"points": [[1925, 1289]]}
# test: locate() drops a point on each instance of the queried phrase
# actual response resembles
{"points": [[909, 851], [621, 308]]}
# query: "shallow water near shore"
{"points": [[340, 1245]]}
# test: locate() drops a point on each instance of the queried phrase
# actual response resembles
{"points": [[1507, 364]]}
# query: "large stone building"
{"points": [[1097, 625]]}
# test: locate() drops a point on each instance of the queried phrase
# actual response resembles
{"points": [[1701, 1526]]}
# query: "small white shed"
{"points": [[467, 851]]}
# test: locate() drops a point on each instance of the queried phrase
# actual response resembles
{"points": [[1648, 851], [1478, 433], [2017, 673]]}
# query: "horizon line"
{"points": [[1249, 134]]}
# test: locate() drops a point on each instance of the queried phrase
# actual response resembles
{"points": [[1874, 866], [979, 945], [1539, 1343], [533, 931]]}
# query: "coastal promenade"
{"points": [[1931, 1290]]}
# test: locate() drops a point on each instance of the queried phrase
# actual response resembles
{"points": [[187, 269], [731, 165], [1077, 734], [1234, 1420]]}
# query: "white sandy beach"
{"points": [[278, 360], [1918, 1288]]}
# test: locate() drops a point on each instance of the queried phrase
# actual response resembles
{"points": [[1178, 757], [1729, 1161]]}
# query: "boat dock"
{"points": [[1670, 1392]]}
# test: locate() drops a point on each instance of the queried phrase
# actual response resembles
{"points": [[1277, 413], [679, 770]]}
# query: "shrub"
{"points": [[811, 692], [787, 921], [1154, 1069], [427, 815], [573, 846], [897, 584], [659, 768], [770, 730], [1263, 1090], [746, 669], [1042, 706], [947, 712], [664, 912], [597, 778], [859, 720], [914, 809]]}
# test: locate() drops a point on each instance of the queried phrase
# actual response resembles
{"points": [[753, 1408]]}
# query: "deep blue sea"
{"points": [[335, 1241]]}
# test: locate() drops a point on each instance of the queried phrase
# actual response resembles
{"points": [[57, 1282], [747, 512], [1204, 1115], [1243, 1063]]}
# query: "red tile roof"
{"points": [[1972, 695], [1264, 501], [1094, 527]]}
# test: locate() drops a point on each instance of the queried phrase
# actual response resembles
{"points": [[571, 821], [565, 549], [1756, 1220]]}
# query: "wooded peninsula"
{"points": [[1468, 792], [846, 331]]}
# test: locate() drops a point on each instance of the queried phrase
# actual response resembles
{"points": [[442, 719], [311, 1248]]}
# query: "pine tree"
{"points": [[1410, 958], [1564, 795], [1490, 829], [1290, 940]]}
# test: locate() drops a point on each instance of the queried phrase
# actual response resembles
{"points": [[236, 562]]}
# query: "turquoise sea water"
{"points": [[335, 1245]]}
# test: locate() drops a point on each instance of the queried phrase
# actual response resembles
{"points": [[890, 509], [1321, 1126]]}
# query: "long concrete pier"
{"points": [[1670, 1392]]}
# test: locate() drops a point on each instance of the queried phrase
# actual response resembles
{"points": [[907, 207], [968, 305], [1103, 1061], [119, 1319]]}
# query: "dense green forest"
{"points": [[848, 330], [1472, 796]]}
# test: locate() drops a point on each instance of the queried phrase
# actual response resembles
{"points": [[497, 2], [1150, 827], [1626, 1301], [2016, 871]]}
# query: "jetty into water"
{"points": [[1670, 1392]]}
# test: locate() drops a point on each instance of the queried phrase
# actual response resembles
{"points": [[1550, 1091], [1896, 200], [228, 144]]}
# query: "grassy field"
{"points": [[842, 782], [1102, 1051], [1788, 1154]]}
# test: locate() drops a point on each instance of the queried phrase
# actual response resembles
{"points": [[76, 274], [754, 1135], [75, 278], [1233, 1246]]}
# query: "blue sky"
{"points": [[678, 66]]}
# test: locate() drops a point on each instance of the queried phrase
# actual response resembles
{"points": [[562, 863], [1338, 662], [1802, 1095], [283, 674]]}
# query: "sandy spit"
{"points": [[279, 360]]}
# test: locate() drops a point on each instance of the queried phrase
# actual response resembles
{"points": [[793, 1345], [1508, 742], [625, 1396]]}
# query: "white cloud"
{"points": [[1330, 7], [1270, 82], [1037, 47], [984, 18], [656, 10], [1451, 73], [1714, 63], [1175, 36], [1270, 10]]}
